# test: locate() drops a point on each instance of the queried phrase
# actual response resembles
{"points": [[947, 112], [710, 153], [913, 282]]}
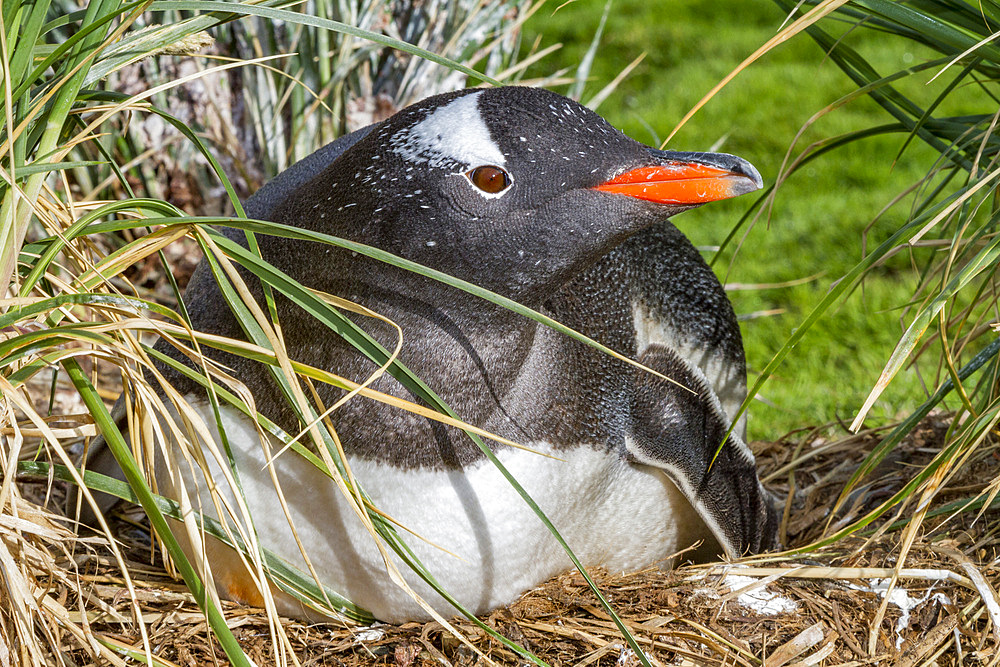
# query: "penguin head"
{"points": [[514, 189]]}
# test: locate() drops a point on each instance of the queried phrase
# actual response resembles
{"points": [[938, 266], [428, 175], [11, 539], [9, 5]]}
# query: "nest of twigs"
{"points": [[850, 603]]}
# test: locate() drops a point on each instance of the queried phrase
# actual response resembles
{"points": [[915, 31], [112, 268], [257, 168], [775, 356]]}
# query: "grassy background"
{"points": [[818, 223]]}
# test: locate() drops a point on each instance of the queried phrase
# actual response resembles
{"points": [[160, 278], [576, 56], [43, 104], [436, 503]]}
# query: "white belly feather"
{"points": [[612, 513]]}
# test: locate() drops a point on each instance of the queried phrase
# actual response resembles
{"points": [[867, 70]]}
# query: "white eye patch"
{"points": [[454, 135]]}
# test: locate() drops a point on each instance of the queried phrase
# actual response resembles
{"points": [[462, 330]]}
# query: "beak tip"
{"points": [[746, 180], [745, 176], [755, 177]]}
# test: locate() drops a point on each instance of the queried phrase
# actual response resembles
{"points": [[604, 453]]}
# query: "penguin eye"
{"points": [[489, 179]]}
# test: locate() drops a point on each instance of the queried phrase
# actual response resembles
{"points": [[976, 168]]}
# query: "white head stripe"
{"points": [[453, 135]]}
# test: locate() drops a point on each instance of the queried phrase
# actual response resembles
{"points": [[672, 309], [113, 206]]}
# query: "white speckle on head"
{"points": [[451, 136]]}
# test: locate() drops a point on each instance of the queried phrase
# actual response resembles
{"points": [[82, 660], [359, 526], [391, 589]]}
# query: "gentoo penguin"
{"points": [[530, 195]]}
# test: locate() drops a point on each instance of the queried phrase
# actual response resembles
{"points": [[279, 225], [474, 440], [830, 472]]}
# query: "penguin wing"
{"points": [[677, 301], [679, 430]]}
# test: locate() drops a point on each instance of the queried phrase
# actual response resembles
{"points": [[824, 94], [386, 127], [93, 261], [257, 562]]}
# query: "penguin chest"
{"points": [[468, 526]]}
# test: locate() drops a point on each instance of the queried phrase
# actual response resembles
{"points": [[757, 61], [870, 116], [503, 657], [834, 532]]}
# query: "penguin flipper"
{"points": [[678, 430], [678, 302]]}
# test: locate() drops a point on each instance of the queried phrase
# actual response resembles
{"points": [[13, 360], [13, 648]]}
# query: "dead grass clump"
{"points": [[849, 603]]}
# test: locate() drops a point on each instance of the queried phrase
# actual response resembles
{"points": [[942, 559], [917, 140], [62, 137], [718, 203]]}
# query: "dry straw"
{"points": [[891, 532]]}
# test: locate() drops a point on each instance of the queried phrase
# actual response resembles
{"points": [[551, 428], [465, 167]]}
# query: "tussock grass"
{"points": [[84, 227]]}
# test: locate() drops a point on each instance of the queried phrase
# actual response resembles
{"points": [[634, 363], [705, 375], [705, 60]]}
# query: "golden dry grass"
{"points": [[826, 607], [924, 594]]}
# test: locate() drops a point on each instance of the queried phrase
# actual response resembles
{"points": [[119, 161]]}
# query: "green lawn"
{"points": [[820, 216]]}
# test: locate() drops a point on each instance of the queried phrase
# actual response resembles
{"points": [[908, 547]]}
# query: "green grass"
{"points": [[820, 214]]}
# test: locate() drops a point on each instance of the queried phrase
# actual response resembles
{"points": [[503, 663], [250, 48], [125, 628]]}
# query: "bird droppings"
{"points": [[627, 657], [901, 598], [370, 635], [759, 599]]}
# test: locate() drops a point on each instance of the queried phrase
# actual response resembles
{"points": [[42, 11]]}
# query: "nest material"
{"points": [[833, 606]]}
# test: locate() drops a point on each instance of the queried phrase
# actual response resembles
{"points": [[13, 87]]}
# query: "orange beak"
{"points": [[686, 183]]}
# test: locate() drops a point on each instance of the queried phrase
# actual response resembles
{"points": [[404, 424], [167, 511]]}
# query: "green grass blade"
{"points": [[48, 167], [936, 33], [985, 260], [114, 439], [296, 18], [906, 426]]}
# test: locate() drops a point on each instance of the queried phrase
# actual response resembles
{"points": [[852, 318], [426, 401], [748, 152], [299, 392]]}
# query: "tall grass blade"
{"points": [[137, 482]]}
